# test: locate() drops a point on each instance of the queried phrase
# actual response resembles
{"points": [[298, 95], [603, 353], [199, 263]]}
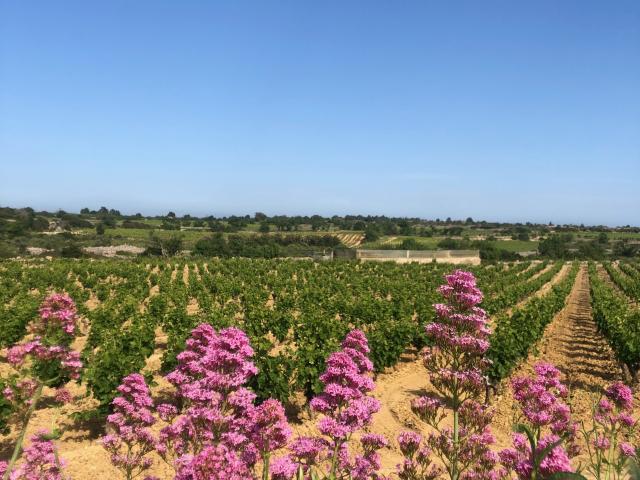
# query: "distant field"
{"points": [[432, 243], [139, 236], [517, 245], [611, 235]]}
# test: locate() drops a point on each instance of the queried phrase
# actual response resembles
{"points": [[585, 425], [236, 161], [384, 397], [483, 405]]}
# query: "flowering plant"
{"points": [[456, 365], [545, 440], [346, 408], [608, 438], [45, 360]]}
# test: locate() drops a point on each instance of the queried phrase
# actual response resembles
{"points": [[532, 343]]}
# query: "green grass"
{"points": [[610, 235], [517, 245], [140, 236], [431, 243]]}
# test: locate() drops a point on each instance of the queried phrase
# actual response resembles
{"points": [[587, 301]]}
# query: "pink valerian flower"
{"points": [[417, 463], [346, 408], [621, 395], [63, 396], [519, 459], [219, 421], [548, 420], [213, 363], [283, 468], [455, 361], [540, 399], [40, 461], [20, 392], [214, 462], [57, 311], [269, 427], [612, 426], [366, 465], [50, 347], [627, 450], [130, 441]]}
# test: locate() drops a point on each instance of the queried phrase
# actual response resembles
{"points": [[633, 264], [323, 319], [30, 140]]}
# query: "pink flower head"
{"points": [[270, 429], [40, 461], [409, 443], [460, 288], [282, 468], [131, 440], [57, 310], [627, 450], [215, 463], [213, 363], [620, 394], [63, 396]]}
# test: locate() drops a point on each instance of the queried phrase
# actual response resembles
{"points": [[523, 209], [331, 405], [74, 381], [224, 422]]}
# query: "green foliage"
{"points": [[122, 352], [619, 323], [514, 336], [6, 410]]}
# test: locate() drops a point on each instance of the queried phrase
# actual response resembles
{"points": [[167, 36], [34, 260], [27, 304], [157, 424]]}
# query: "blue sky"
{"points": [[500, 110]]}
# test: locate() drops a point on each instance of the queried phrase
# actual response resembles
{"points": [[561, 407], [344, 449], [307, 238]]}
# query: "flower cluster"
{"points": [[218, 411], [547, 422], [346, 408], [608, 439], [57, 311], [456, 365], [417, 464], [46, 360], [40, 461], [53, 331], [130, 440]]}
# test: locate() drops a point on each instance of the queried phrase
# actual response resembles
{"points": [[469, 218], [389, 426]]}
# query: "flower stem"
{"points": [[18, 448]]}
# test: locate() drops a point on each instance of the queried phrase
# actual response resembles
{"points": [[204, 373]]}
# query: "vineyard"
{"points": [[136, 316]]}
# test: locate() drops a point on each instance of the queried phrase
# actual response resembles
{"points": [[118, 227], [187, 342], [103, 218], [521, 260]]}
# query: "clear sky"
{"points": [[499, 110]]}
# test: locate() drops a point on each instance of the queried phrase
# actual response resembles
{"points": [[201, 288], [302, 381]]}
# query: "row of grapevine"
{"points": [[629, 285], [295, 312], [617, 321], [516, 291], [514, 336]]}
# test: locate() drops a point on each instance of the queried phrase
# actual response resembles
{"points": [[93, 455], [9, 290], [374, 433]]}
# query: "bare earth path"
{"points": [[573, 344]]}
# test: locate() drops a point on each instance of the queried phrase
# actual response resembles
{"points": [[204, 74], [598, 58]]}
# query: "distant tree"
{"points": [[410, 244], [172, 246], [448, 220], [469, 220], [40, 224], [99, 228], [85, 211], [554, 247], [171, 215], [109, 221], [591, 250], [213, 246], [259, 217], [264, 227], [603, 238], [371, 234], [71, 251], [623, 248]]}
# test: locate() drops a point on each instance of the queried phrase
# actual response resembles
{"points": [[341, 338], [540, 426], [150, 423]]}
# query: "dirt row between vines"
{"points": [[570, 341]]}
